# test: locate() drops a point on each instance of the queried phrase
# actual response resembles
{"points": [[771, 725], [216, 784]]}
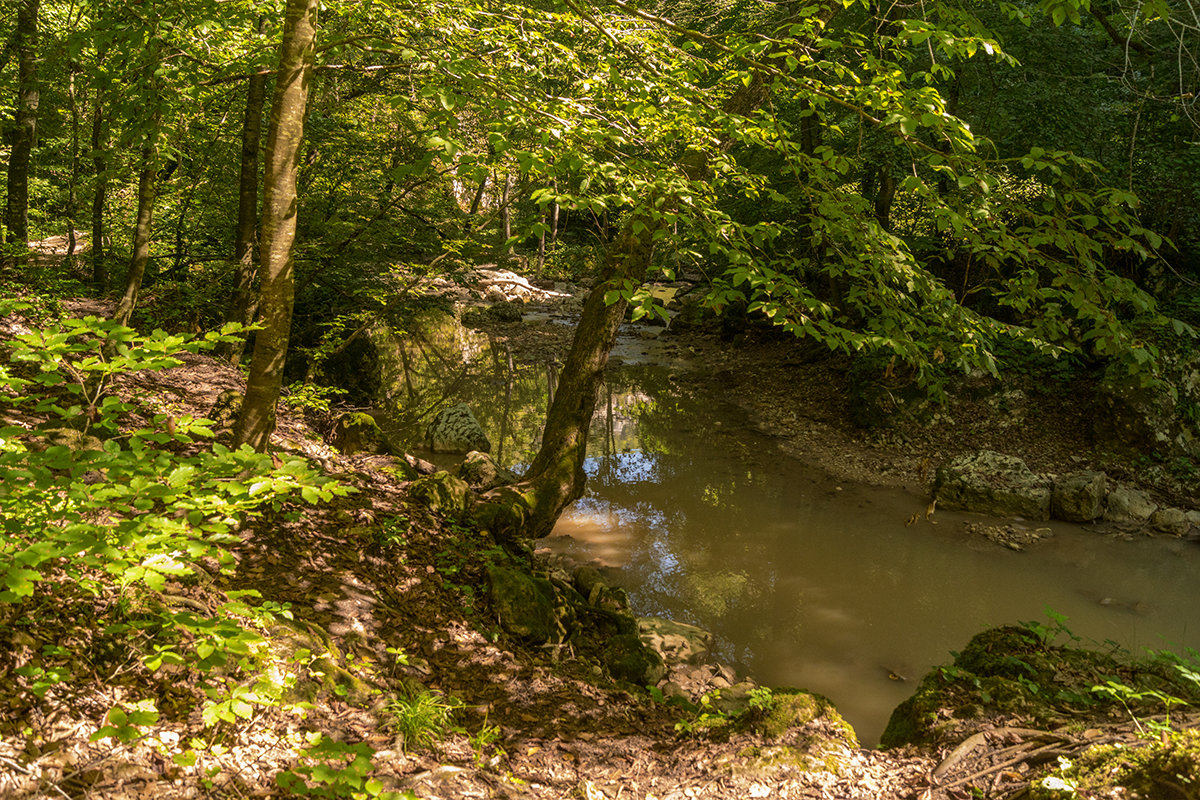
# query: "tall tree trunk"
{"points": [[556, 478], [99, 268], [147, 186], [16, 215], [242, 308], [73, 183], [276, 293]]}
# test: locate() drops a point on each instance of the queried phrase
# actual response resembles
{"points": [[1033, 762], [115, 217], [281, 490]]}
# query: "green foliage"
{"points": [[135, 499], [422, 717], [332, 769]]}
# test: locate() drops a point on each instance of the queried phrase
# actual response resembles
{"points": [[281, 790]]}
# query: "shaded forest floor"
{"points": [[397, 598]]}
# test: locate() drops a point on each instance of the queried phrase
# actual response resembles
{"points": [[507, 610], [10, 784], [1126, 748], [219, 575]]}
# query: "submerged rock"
{"points": [[676, 642], [455, 430], [992, 483]]}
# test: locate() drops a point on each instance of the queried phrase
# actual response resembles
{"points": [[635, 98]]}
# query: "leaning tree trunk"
{"points": [[241, 309], [278, 232], [16, 214], [556, 478], [140, 257]]}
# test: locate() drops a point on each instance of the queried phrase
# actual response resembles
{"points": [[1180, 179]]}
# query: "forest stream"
{"points": [[806, 580]]}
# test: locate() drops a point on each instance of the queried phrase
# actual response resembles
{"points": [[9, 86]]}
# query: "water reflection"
{"points": [[805, 582]]}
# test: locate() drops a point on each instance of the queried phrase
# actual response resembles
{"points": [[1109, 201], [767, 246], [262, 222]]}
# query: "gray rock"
{"points": [[356, 432], [442, 493], [992, 483], [1151, 417], [482, 473], [676, 642], [1078, 497], [524, 604], [1129, 505], [1171, 520], [455, 430]]}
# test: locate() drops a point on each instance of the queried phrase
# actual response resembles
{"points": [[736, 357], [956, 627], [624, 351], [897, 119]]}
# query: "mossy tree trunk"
{"points": [[278, 229], [556, 478]]}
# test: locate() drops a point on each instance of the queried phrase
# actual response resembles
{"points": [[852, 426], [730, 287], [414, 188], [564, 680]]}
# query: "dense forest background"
{"points": [[934, 182]]}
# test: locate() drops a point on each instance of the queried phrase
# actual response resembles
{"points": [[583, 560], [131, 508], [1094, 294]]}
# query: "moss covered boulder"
{"points": [[1015, 675], [482, 473], [356, 432], [442, 493], [629, 659], [527, 606]]}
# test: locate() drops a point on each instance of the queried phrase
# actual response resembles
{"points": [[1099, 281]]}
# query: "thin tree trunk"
{"points": [[504, 253], [278, 233], [16, 216], [73, 184], [99, 268], [147, 180], [556, 478], [242, 308]]}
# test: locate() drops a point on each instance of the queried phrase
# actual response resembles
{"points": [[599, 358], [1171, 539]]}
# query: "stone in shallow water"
{"points": [[1078, 497], [455, 430], [993, 483], [676, 642], [1129, 505]]}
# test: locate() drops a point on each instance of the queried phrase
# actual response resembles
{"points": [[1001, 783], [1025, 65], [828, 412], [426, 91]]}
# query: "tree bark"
{"points": [[99, 268], [147, 189], [278, 232], [242, 308], [16, 215], [556, 478]]}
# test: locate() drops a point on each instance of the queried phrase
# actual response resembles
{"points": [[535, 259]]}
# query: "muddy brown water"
{"points": [[804, 580]]}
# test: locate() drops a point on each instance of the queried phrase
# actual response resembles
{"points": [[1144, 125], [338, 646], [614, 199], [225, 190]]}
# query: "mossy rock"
{"points": [[628, 659], [1161, 767], [1013, 672], [795, 708], [357, 432], [526, 605], [325, 675], [442, 493], [482, 473]]}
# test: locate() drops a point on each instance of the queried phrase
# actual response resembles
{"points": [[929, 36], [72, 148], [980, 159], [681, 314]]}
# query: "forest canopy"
{"points": [[924, 181]]}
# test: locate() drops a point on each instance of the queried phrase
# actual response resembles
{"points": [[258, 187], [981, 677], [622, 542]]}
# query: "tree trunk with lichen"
{"points": [[278, 233], [555, 479]]}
